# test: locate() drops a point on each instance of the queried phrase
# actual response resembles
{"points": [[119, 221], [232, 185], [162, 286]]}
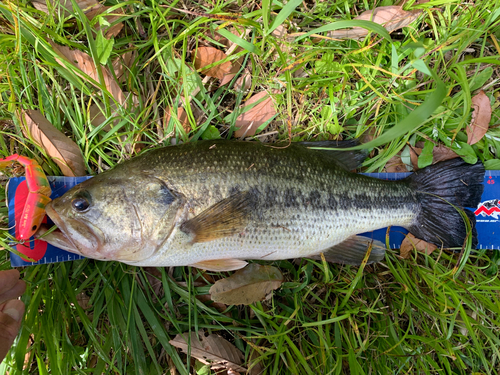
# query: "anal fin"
{"points": [[220, 265], [353, 250]]}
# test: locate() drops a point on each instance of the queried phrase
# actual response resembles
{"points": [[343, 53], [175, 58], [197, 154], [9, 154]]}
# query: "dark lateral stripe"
{"points": [[316, 200]]}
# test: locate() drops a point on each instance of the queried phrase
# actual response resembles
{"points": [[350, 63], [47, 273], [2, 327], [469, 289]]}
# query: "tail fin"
{"points": [[441, 190]]}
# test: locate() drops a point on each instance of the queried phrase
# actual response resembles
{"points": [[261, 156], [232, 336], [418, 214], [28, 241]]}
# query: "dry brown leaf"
{"points": [[251, 120], [254, 361], [279, 32], [205, 56], [244, 82], [248, 285], [83, 300], [181, 116], [122, 64], [414, 154], [395, 165], [108, 31], [442, 153], [60, 148], [439, 153], [85, 63], [97, 117], [66, 6], [391, 17], [229, 76], [235, 68], [220, 352], [207, 300], [480, 118], [410, 242]]}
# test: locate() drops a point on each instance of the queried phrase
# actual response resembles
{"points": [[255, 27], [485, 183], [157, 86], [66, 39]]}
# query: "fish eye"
{"points": [[81, 203]]}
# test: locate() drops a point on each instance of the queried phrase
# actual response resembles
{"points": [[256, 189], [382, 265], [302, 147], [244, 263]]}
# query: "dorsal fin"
{"points": [[349, 159], [228, 217]]}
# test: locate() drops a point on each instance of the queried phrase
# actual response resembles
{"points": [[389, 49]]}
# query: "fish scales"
{"points": [[298, 202]]}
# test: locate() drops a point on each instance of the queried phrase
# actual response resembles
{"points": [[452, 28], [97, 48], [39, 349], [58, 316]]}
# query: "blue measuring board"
{"points": [[487, 217]]}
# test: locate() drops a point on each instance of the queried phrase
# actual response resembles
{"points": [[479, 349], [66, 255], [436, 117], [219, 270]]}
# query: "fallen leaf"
{"points": [[212, 349], [123, 63], [480, 118], [391, 17], [207, 300], [251, 120], [395, 165], [85, 63], [279, 32], [410, 242], [66, 6], [254, 360], [205, 56], [60, 148], [83, 300], [414, 154], [229, 76], [248, 285], [112, 29], [98, 117], [442, 153], [181, 116], [244, 82]]}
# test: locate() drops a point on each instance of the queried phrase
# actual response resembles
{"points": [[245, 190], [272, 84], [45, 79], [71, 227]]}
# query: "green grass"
{"points": [[416, 316]]}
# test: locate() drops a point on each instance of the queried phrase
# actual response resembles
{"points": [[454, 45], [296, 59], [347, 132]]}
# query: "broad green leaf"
{"points": [[104, 47], [480, 79], [493, 164], [426, 156], [211, 133]]}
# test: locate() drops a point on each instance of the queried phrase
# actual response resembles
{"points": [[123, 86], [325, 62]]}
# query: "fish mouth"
{"points": [[68, 229]]}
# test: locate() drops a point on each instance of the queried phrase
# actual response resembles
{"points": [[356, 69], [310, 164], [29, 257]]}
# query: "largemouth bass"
{"points": [[215, 204]]}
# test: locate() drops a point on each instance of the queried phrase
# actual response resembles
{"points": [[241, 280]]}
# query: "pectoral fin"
{"points": [[228, 217], [353, 250], [220, 265]]}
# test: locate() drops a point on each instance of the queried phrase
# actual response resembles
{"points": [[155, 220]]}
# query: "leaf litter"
{"points": [[481, 118], [182, 117], [212, 350], [106, 20], [66, 6], [65, 153], [85, 63], [411, 242], [390, 17], [206, 56], [248, 285], [262, 111]]}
